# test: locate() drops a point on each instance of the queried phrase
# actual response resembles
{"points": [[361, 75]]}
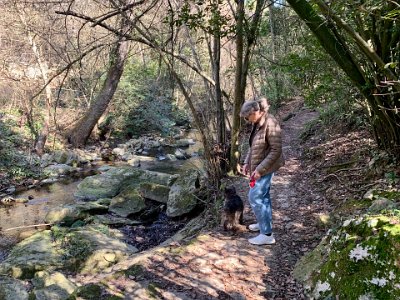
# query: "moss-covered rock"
{"points": [[57, 170], [135, 271], [109, 183], [115, 220], [69, 213], [381, 204], [182, 195], [33, 254], [89, 292], [154, 191], [12, 289], [44, 279], [359, 261], [65, 215], [127, 202], [89, 250], [52, 286]]}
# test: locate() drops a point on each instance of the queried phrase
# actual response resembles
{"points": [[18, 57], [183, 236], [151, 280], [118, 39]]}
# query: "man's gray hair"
{"points": [[254, 105]]}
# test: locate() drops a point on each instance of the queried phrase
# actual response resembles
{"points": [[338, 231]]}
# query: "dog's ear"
{"points": [[230, 190]]}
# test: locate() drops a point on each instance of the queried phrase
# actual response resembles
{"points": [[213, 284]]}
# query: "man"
{"points": [[262, 160]]}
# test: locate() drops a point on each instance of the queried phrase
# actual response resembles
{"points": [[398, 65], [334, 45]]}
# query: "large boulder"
{"points": [[90, 250], [98, 186], [52, 286], [182, 195], [60, 157], [358, 261], [69, 213], [12, 289], [105, 185], [33, 254], [127, 202], [65, 157], [109, 183], [154, 191], [57, 170]]}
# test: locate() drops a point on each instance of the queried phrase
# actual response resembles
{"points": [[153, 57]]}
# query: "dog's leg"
{"points": [[241, 218], [239, 221]]}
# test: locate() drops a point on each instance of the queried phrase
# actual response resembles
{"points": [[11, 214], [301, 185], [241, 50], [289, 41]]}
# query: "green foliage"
{"points": [[75, 249], [314, 73], [15, 163], [350, 115], [362, 260], [310, 129], [299, 65], [336, 114], [90, 291], [209, 17], [136, 271], [144, 101]]}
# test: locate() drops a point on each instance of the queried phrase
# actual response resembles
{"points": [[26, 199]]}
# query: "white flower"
{"points": [[322, 287], [391, 275], [365, 297], [346, 223], [372, 223], [359, 253], [358, 221], [379, 281]]}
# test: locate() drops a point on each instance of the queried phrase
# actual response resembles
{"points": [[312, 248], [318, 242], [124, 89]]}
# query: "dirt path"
{"points": [[223, 265]]}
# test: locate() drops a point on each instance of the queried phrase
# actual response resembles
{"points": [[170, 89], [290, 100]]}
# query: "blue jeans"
{"points": [[260, 202]]}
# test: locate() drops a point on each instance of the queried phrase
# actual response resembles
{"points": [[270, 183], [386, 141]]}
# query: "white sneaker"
{"points": [[262, 239], [254, 227]]}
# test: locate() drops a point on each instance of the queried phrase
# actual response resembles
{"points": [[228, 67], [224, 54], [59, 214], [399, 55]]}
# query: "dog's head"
{"points": [[230, 191]]}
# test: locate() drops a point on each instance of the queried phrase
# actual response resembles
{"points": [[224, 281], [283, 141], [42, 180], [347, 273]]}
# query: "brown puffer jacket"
{"points": [[265, 153]]}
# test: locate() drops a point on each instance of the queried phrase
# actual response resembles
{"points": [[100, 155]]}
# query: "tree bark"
{"points": [[243, 55], [367, 74], [40, 136], [239, 93], [81, 132], [221, 138]]}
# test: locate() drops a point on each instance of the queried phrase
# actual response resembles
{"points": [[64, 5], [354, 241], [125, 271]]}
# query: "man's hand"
{"points": [[256, 175], [245, 169]]}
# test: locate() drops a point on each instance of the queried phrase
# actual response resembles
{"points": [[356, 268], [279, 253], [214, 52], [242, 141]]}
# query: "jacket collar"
{"points": [[262, 120]]}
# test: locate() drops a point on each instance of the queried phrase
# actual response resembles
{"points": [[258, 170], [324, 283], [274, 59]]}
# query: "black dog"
{"points": [[232, 215]]}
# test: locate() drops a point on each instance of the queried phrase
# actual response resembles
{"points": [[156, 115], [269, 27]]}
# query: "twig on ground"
{"points": [[354, 169], [27, 226]]}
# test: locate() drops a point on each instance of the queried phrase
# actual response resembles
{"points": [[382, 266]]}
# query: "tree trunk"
{"points": [[370, 79], [218, 95], [273, 46], [81, 132], [243, 55], [239, 93], [40, 137]]}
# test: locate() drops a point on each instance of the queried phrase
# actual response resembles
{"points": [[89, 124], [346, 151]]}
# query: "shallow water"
{"points": [[17, 220]]}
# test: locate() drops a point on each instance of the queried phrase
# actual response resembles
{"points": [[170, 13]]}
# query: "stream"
{"points": [[17, 220]]}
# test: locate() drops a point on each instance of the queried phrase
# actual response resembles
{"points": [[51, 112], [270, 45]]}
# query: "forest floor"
{"points": [[223, 265]]}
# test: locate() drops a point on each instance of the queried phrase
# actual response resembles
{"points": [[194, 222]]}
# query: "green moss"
{"points": [[152, 290], [363, 260], [113, 297], [135, 271], [75, 250], [89, 292], [353, 206], [78, 223], [391, 195], [31, 296]]}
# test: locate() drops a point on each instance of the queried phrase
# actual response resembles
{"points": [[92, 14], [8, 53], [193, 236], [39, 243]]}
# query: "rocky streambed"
{"points": [[86, 225]]}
